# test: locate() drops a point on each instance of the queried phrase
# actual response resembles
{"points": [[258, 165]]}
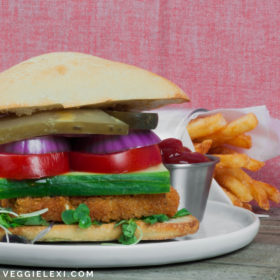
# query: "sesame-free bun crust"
{"points": [[68, 80], [108, 232]]}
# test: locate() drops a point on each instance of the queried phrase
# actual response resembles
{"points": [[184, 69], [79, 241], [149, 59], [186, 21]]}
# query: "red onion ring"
{"points": [[107, 144]]}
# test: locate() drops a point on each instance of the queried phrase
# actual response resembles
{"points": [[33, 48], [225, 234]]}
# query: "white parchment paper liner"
{"points": [[266, 137]]}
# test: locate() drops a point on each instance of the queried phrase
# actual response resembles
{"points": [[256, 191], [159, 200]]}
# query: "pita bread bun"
{"points": [[68, 80], [107, 232]]}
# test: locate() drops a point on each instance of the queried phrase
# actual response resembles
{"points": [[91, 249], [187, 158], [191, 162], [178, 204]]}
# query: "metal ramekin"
{"points": [[193, 182]]}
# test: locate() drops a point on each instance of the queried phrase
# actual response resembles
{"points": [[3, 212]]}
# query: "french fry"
{"points": [[272, 192], [203, 147], [260, 196], [222, 150], [234, 185], [203, 126], [232, 160], [234, 199], [254, 165], [215, 136], [247, 206], [242, 141], [238, 161], [234, 129], [257, 192]]}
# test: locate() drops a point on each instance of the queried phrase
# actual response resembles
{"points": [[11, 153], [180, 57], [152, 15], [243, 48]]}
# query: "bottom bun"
{"points": [[108, 232]]}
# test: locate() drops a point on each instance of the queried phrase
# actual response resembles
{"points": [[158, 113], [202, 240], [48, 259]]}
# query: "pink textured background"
{"points": [[222, 53]]}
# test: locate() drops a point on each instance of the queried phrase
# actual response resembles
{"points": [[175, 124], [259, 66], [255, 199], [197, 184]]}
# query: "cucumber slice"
{"points": [[88, 184]]}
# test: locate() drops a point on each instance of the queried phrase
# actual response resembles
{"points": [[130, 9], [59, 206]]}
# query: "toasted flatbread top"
{"points": [[69, 79]]}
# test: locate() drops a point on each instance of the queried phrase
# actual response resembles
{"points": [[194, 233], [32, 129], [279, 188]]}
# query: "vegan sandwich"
{"points": [[79, 158]]}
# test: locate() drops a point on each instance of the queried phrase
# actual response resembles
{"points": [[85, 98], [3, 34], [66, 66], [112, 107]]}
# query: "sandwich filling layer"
{"points": [[102, 208]]}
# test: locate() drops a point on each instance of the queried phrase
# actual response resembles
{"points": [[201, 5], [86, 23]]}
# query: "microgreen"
{"points": [[85, 222], [80, 215], [5, 220], [128, 227], [155, 219], [97, 223], [128, 232], [10, 222], [30, 219], [81, 212], [68, 217], [120, 223], [160, 218], [181, 213]]}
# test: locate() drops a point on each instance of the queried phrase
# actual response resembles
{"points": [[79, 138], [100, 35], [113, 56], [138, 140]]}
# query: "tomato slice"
{"points": [[122, 162], [19, 167]]}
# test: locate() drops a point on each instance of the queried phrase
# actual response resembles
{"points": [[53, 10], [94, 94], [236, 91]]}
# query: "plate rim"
{"points": [[239, 238]]}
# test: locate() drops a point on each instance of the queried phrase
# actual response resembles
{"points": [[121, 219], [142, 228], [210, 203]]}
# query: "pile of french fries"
{"points": [[214, 135]]}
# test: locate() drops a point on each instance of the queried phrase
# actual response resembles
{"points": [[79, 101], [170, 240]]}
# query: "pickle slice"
{"points": [[136, 120], [75, 121]]}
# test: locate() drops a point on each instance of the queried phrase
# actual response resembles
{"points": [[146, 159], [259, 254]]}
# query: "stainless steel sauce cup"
{"points": [[193, 182]]}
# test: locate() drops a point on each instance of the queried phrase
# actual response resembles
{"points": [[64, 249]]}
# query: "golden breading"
{"points": [[102, 208]]}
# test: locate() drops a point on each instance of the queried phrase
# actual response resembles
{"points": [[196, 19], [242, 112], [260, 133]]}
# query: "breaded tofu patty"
{"points": [[102, 208]]}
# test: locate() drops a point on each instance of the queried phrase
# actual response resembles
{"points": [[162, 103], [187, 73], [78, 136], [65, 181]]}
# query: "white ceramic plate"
{"points": [[224, 229]]}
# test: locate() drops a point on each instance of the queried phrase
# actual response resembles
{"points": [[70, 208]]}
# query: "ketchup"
{"points": [[173, 151]]}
